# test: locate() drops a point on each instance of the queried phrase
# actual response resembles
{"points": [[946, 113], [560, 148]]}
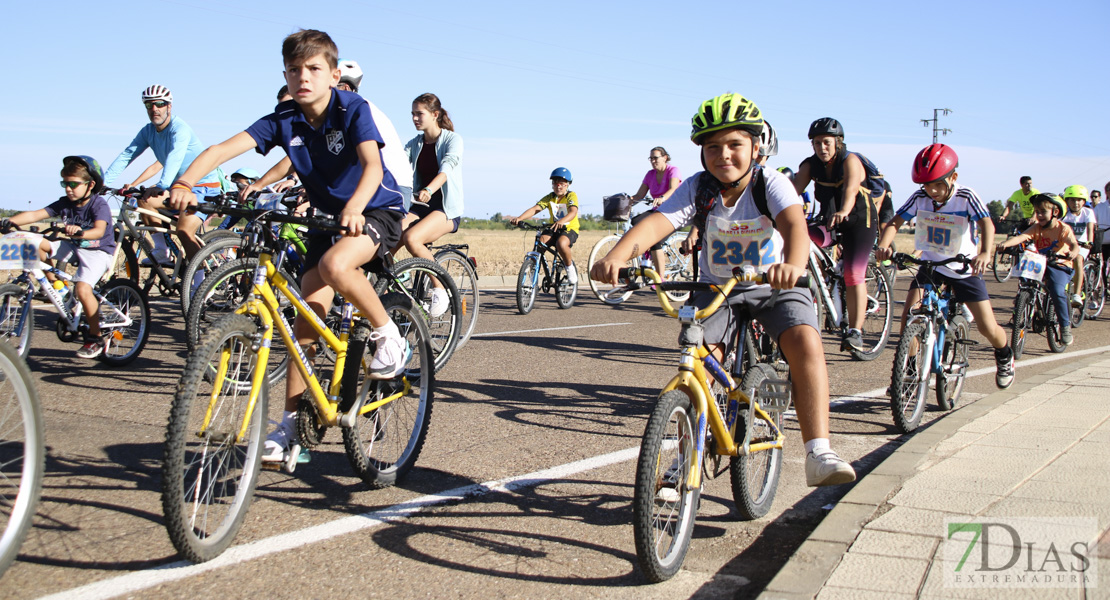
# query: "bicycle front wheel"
{"points": [[209, 472], [755, 476], [608, 293], [908, 377], [384, 443], [565, 291], [17, 318], [126, 264], [526, 285], [1053, 328], [664, 507], [879, 318], [216, 252], [123, 301], [1002, 264], [953, 363], [1023, 322], [679, 267], [460, 270], [22, 453]]}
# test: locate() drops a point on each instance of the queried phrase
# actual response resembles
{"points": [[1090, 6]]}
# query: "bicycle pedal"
{"points": [[967, 342]]}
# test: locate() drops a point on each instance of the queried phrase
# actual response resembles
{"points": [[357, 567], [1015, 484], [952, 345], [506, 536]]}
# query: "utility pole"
{"points": [[934, 121]]}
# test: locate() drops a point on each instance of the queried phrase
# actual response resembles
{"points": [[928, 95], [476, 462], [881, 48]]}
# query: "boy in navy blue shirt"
{"points": [[335, 147]]}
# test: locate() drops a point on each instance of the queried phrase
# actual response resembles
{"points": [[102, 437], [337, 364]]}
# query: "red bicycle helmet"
{"points": [[933, 163]]}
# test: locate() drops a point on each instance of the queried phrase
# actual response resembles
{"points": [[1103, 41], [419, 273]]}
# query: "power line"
{"points": [[935, 121]]}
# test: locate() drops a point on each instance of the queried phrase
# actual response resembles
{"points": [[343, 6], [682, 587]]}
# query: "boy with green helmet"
{"points": [[722, 200], [1082, 221]]}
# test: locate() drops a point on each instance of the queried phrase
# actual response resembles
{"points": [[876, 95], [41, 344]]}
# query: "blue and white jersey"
{"points": [[965, 207]]}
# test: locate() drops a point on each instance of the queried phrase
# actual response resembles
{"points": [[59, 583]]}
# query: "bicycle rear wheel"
{"points": [[755, 476], [1002, 264], [608, 293], [126, 264], [383, 444], [879, 318], [664, 508], [22, 453], [17, 318], [908, 377], [526, 281], [208, 472], [419, 276], [464, 275], [953, 363], [565, 291], [124, 342], [1094, 287]]}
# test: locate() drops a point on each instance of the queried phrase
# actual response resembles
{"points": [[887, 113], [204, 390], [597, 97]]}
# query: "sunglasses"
{"points": [[156, 103], [654, 157], [73, 184]]}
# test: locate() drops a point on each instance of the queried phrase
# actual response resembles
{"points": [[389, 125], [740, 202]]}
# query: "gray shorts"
{"points": [[92, 263], [792, 307]]}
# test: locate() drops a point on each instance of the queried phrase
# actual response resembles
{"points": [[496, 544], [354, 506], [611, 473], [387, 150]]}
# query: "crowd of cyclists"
{"points": [[388, 195]]}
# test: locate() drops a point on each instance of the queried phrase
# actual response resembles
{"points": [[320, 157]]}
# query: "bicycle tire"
{"points": [[385, 443], [224, 291], [22, 453], [1077, 313], [678, 268], [126, 264], [460, 270], [608, 293], [215, 253], [1023, 322], [214, 235], [124, 343], [1002, 264], [910, 371], [953, 363], [17, 318], [755, 476], [1052, 329], [565, 291], [526, 285], [416, 275], [1094, 290], [207, 482], [664, 510], [879, 318]]}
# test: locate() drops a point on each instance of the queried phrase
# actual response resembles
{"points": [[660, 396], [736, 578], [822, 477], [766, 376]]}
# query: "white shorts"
{"points": [[92, 264]]}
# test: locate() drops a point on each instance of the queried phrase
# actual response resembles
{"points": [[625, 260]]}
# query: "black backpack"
{"points": [[709, 188]]}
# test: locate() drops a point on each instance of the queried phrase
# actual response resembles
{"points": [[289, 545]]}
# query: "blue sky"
{"points": [[591, 86]]}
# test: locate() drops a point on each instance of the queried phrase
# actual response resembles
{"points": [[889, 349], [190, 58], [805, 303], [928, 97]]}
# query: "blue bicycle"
{"points": [[934, 340]]}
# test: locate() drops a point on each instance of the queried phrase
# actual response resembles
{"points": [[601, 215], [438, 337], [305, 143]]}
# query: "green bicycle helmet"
{"points": [[726, 111], [1076, 191]]}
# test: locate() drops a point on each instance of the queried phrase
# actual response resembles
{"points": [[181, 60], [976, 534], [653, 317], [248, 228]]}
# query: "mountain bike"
{"points": [[1094, 278], [22, 453], [463, 269], [554, 273], [678, 267], [1034, 311], [934, 340], [829, 298], [1003, 263], [701, 417], [217, 423], [124, 315]]}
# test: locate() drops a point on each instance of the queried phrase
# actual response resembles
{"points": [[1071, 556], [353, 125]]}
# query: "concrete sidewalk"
{"points": [[1039, 450]]}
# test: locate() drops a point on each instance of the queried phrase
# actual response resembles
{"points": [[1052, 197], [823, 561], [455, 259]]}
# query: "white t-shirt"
{"points": [[726, 244], [964, 205], [1102, 214], [394, 157], [1079, 222]]}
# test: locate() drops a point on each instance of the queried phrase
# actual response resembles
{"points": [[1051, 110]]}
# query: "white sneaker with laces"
{"points": [[572, 274], [277, 443], [390, 358], [1076, 300], [828, 469], [439, 302]]}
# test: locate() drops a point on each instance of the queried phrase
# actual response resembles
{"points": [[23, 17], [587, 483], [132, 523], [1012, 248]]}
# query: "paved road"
{"points": [[523, 488]]}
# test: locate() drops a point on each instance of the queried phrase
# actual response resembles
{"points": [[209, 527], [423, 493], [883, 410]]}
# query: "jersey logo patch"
{"points": [[296, 141], [335, 141]]}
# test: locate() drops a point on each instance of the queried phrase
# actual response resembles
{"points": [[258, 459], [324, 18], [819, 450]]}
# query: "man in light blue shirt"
{"points": [[175, 146]]}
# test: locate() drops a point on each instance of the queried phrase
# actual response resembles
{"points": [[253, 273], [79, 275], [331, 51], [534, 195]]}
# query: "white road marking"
{"points": [[547, 329], [141, 580]]}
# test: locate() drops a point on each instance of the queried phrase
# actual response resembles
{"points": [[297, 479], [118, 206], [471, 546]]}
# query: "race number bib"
{"points": [[268, 201], [734, 244], [19, 250], [1031, 265], [939, 232], [558, 211]]}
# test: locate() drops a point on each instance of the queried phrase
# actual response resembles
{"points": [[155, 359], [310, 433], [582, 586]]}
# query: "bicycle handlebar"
{"points": [[902, 259], [661, 287], [545, 227]]}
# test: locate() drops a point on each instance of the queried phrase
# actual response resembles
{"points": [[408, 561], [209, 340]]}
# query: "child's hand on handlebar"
{"points": [[883, 253], [783, 276], [607, 270], [180, 199], [352, 221]]}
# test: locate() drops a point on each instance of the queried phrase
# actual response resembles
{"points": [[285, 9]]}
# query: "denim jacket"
{"points": [[449, 150]]}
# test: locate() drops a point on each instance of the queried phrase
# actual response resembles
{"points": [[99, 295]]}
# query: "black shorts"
{"points": [[967, 290], [423, 210], [570, 235], [641, 217], [385, 230]]}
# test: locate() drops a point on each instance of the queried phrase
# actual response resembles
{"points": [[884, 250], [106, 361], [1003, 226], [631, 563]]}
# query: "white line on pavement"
{"points": [[140, 580], [547, 329]]}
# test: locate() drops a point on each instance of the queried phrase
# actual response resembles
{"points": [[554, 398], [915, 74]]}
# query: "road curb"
{"points": [[813, 563]]}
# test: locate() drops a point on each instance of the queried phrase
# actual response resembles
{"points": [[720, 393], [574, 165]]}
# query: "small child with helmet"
{"points": [[1082, 220], [967, 229], [1053, 238], [562, 205], [87, 220]]}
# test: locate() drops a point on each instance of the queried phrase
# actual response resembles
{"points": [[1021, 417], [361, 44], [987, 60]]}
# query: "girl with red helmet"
{"points": [[962, 224]]}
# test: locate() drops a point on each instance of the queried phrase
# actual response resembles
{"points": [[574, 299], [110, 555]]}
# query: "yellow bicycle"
{"points": [[703, 416], [217, 424]]}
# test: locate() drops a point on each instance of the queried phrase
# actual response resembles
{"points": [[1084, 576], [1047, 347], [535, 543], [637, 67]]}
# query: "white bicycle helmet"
{"points": [[350, 72], [768, 141], [157, 92]]}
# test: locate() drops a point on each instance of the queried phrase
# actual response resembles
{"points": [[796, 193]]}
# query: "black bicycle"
{"points": [[554, 273]]}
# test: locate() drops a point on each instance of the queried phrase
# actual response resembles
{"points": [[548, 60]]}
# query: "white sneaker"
{"points": [[439, 302], [1076, 300], [390, 358], [277, 443], [572, 274], [828, 469]]}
